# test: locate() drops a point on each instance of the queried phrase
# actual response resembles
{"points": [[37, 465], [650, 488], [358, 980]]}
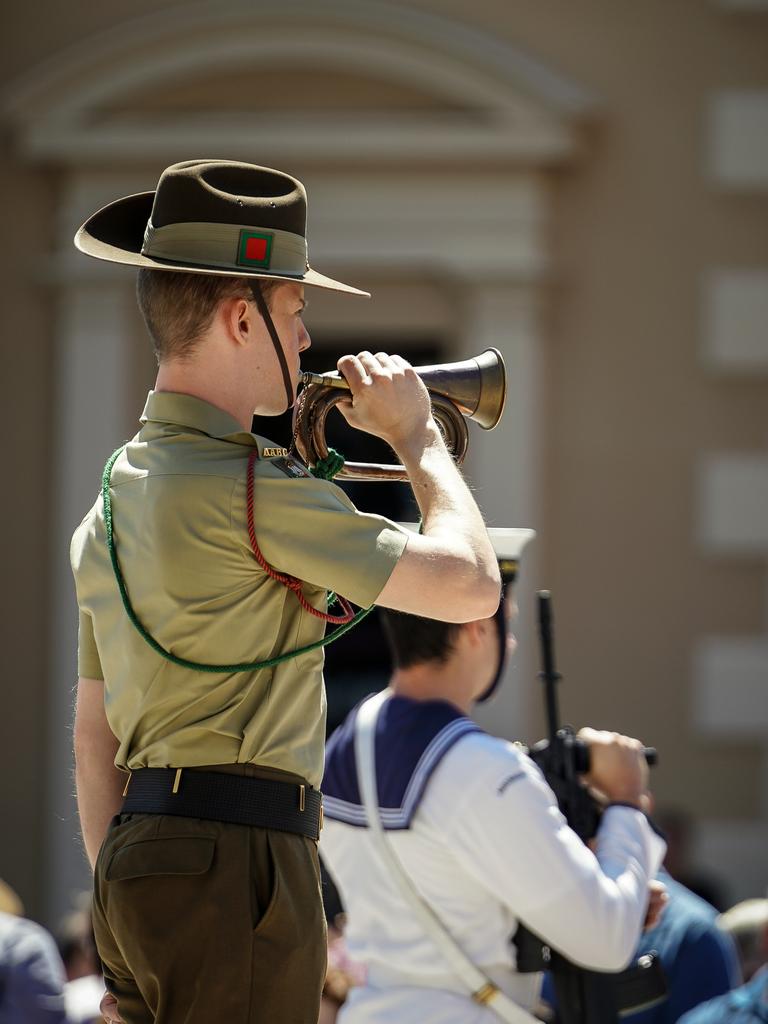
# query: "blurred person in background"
{"points": [[341, 975], [679, 829], [76, 942], [77, 946], [479, 834], [10, 902], [747, 923], [699, 960], [31, 972]]}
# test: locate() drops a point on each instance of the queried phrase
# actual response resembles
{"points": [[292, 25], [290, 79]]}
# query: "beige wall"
{"points": [[629, 409], [633, 409], [26, 510]]}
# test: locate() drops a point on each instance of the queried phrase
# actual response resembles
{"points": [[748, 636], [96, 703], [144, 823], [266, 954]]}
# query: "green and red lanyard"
{"points": [[344, 622]]}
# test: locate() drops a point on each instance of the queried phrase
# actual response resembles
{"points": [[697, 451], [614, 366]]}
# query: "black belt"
{"points": [[216, 796]]}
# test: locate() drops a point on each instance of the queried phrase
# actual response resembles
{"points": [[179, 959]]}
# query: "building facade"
{"points": [[584, 187]]}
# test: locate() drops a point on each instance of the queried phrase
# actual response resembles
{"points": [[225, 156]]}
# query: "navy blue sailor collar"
{"points": [[412, 737]]}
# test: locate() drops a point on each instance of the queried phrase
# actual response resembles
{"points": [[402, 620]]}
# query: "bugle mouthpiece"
{"points": [[328, 380]]}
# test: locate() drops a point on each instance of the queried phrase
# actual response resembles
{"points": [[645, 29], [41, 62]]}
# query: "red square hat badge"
{"points": [[255, 249]]}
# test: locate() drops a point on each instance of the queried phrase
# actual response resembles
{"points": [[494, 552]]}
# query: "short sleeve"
{"points": [[88, 661], [310, 529]]}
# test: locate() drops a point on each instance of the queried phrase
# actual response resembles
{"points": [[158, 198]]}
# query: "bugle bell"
{"points": [[472, 389]]}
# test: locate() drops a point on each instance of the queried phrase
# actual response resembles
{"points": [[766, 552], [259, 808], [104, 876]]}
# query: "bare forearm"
{"points": [[450, 572], [99, 795], [99, 783], [446, 504]]}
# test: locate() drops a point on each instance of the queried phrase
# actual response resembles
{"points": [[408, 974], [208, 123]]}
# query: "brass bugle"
{"points": [[470, 388]]}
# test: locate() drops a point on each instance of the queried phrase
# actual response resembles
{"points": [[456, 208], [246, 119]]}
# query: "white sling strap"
{"points": [[478, 984]]}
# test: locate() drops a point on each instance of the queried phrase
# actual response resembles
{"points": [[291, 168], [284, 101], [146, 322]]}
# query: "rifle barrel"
{"points": [[549, 674]]}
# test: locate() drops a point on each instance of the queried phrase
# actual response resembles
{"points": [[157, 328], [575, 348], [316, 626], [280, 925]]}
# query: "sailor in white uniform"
{"points": [[477, 832]]}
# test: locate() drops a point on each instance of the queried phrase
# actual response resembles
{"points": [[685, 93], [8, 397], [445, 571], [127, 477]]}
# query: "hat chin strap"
{"points": [[500, 622], [261, 302]]}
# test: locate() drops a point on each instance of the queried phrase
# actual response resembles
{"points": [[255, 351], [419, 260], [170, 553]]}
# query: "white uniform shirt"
{"points": [[486, 846]]}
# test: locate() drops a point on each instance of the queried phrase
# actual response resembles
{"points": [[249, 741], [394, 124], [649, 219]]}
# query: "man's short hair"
{"points": [[413, 639], [178, 308]]}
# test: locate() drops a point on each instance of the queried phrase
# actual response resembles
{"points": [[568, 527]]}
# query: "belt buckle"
{"points": [[303, 804]]}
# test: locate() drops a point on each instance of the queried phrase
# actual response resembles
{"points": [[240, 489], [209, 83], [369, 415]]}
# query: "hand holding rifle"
{"points": [[618, 769], [586, 772]]}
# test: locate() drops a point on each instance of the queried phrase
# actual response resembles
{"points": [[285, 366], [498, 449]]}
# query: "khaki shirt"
{"points": [[180, 528]]}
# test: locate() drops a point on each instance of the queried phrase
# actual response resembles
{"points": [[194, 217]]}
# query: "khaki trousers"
{"points": [[201, 922]]}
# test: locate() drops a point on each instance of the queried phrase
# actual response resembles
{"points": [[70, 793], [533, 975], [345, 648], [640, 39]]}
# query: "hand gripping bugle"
{"points": [[472, 388]]}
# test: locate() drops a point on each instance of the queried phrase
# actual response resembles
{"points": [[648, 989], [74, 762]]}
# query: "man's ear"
{"points": [[237, 320], [475, 631]]}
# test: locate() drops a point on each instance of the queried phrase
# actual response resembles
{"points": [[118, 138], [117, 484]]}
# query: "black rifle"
{"points": [[583, 996]]}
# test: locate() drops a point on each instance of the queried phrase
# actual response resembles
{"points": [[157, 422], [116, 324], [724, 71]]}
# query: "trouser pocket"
{"points": [[165, 855], [174, 898]]}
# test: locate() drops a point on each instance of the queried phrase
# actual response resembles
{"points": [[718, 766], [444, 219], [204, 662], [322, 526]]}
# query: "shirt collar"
{"points": [[187, 411]]}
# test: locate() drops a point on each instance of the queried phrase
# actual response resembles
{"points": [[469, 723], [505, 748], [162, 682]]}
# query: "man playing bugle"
{"points": [[202, 574]]}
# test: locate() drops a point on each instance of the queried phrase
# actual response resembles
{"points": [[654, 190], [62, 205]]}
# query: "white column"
{"points": [[503, 468], [92, 365]]}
